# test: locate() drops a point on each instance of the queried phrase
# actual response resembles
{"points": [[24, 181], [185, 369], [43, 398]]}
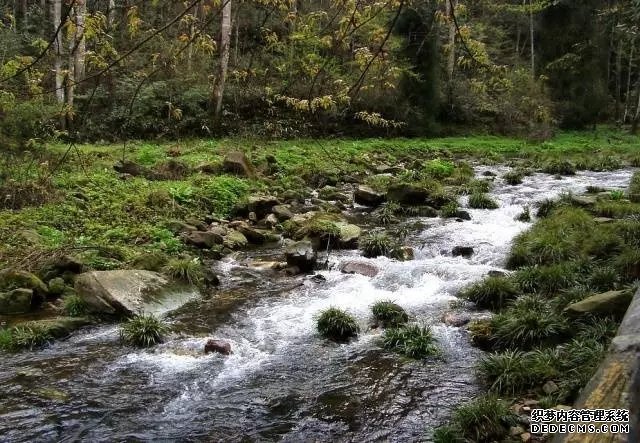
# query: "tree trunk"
{"points": [[56, 17], [531, 37], [451, 59], [111, 14], [618, 95], [636, 118], [627, 98], [224, 43], [81, 44]]}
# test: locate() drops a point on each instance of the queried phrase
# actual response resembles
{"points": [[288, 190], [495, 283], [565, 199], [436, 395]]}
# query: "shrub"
{"points": [[525, 215], [449, 210], [412, 340], [513, 178], [389, 314], [335, 324], [74, 305], [387, 214], [376, 244], [143, 331], [559, 167], [479, 200], [491, 293], [484, 419], [186, 269]]}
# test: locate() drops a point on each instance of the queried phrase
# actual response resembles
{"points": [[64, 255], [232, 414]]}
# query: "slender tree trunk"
{"points": [[225, 40], [627, 98], [619, 79], [81, 44], [531, 38], [111, 14], [56, 17], [636, 118], [451, 59]]}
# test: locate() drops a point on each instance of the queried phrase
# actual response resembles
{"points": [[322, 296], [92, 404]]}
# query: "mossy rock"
{"points": [[57, 286], [235, 240], [604, 304], [59, 327], [11, 278], [150, 261], [16, 301]]}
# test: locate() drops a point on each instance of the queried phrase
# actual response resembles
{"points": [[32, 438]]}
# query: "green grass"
{"points": [[491, 293], [479, 200], [375, 244], [525, 215], [414, 341], [24, 337], [187, 269], [74, 305], [143, 331], [449, 210], [337, 325], [513, 178], [483, 420], [634, 188], [389, 314]]}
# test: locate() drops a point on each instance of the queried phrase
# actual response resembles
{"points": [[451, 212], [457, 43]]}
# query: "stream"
{"points": [[283, 382]]}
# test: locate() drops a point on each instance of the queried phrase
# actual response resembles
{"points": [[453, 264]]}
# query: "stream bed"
{"points": [[283, 382]]}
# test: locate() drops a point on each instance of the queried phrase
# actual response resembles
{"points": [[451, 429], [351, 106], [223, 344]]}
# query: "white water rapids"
{"points": [[282, 382]]}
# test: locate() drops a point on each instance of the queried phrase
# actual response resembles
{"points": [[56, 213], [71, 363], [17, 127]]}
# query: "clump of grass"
{"points": [[627, 263], [601, 330], [491, 293], [616, 209], [528, 322], [74, 305], [337, 325], [559, 167], [484, 419], [376, 244], [24, 337], [603, 278], [450, 210], [387, 214], [513, 178], [411, 340], [187, 269], [143, 331], [389, 314], [525, 215], [547, 280], [479, 200], [616, 194], [545, 207], [634, 188], [506, 372]]}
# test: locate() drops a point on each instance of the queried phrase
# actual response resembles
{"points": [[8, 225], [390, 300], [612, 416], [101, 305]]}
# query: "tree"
{"points": [[223, 63]]}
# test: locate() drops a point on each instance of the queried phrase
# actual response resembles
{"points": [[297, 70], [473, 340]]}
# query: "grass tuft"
{"points": [[389, 314], [411, 340], [143, 331], [74, 305], [337, 325], [491, 293], [479, 200], [188, 270]]}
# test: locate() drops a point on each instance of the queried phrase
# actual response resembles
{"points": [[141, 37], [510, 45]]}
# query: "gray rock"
{"points": [[407, 194], [301, 255], [366, 196], [17, 301], [203, 240], [456, 319], [357, 267], [236, 162], [235, 240], [606, 303], [56, 286], [11, 278], [550, 387], [253, 235], [283, 212], [119, 292], [463, 215]]}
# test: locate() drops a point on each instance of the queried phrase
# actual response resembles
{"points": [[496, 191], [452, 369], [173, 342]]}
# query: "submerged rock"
{"points": [[462, 251], [219, 346], [301, 255], [456, 319], [119, 292], [17, 301], [362, 268]]}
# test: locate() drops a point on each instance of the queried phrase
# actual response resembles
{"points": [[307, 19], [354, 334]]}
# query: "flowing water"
{"points": [[282, 382]]}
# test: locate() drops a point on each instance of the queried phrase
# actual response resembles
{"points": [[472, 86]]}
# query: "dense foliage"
{"points": [[148, 69]]}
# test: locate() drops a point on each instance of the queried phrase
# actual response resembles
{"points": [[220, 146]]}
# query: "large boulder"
{"points": [[462, 251], [348, 235], [407, 194], [366, 196], [253, 235], [217, 346], [301, 255], [203, 240], [322, 228], [236, 162], [604, 304], [17, 301], [358, 267], [125, 292], [11, 278]]}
